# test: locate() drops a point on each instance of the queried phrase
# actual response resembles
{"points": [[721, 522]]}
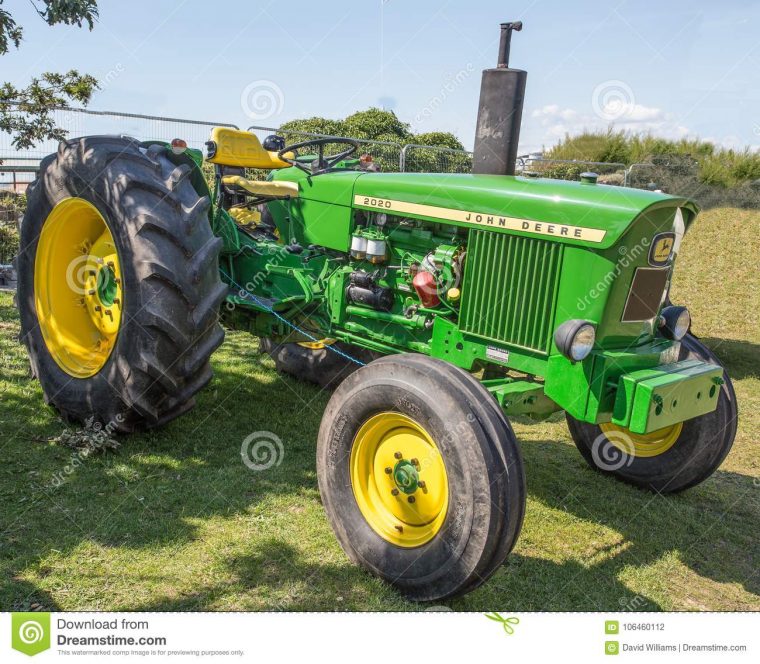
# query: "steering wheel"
{"points": [[321, 164]]}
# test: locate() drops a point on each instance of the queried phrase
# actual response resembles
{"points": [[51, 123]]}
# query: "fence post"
{"points": [[402, 159]]}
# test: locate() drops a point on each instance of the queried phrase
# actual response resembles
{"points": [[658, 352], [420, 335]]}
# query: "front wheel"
{"points": [[420, 475], [671, 459]]}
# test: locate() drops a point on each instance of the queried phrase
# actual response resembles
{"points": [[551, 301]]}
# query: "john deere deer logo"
{"points": [[30, 632], [662, 248]]}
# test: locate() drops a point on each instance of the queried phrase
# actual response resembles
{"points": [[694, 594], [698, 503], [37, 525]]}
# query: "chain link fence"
{"points": [[571, 169], [671, 174], [429, 159], [385, 154], [85, 122]]}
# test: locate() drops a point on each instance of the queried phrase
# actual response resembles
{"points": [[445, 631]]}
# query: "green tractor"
{"points": [[435, 305]]}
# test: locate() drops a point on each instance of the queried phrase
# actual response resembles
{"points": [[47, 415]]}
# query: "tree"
{"points": [[376, 124], [373, 124], [26, 113]]}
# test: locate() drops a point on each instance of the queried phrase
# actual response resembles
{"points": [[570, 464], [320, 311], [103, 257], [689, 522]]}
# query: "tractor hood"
{"points": [[593, 215]]}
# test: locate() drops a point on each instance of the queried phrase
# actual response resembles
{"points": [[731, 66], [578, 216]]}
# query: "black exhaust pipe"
{"points": [[502, 93]]}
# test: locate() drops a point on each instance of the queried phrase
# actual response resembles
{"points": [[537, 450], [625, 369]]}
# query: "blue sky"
{"points": [[671, 67]]}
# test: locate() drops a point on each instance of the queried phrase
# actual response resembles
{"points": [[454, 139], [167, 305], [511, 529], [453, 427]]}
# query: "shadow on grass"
{"points": [[153, 492], [156, 489], [741, 358], [710, 528], [279, 572]]}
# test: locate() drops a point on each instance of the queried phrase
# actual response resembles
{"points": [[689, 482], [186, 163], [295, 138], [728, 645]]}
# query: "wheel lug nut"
{"points": [[411, 499], [416, 463], [97, 307], [394, 491], [91, 292], [421, 484], [398, 455], [388, 471], [400, 528]]}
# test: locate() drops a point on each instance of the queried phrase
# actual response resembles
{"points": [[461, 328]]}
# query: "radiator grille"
{"points": [[510, 288]]}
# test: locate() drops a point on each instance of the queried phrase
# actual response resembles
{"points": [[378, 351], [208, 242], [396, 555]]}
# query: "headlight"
{"points": [[675, 322], [575, 339]]}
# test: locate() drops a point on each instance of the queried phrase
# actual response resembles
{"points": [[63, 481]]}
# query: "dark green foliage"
{"points": [[373, 124], [11, 206], [25, 113], [711, 175], [376, 124]]}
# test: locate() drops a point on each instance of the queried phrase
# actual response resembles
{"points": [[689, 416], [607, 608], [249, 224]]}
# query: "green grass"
{"points": [[174, 521]]}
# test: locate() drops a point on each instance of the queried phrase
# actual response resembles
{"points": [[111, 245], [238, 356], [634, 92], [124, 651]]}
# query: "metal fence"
{"points": [[670, 174], [433, 159], [18, 167], [571, 169], [391, 157], [85, 122], [387, 155]]}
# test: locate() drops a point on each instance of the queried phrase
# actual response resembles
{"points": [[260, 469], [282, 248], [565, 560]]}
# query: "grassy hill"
{"points": [[174, 521]]}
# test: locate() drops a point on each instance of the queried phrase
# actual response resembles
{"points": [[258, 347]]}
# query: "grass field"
{"points": [[173, 520]]}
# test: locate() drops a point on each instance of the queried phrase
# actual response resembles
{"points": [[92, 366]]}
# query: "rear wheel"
{"points": [[420, 475], [119, 287], [671, 459], [325, 363]]}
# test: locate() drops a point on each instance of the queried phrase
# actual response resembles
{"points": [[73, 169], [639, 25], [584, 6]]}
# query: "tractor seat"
{"points": [[262, 188], [241, 149]]}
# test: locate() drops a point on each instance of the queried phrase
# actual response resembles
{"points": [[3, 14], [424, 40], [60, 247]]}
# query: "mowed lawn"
{"points": [[173, 520]]}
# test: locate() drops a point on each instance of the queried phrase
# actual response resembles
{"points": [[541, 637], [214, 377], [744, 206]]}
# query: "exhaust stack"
{"points": [[502, 93]]}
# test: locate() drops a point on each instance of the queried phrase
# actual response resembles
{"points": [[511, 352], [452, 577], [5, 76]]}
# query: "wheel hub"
{"points": [[406, 477]]}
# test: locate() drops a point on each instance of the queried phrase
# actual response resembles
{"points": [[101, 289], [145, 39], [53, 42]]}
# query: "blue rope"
{"points": [[263, 305]]}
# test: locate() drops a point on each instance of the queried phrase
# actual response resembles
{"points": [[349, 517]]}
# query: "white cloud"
{"points": [[555, 121]]}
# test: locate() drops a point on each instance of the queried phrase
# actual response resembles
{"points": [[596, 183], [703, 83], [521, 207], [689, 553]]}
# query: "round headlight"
{"points": [[675, 322], [575, 339]]}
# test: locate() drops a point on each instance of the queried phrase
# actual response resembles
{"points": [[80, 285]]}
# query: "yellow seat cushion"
{"points": [[242, 149], [264, 188]]}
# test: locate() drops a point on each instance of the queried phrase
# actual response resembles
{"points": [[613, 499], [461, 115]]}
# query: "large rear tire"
{"points": [[420, 475], [119, 287], [317, 363], [672, 459]]}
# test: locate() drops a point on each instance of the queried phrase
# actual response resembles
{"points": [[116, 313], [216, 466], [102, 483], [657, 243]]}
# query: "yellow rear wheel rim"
{"points": [[399, 479], [78, 287], [317, 345], [642, 445]]}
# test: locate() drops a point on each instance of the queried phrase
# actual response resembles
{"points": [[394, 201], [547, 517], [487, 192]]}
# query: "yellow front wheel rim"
{"points": [[78, 287], [399, 479], [642, 445]]}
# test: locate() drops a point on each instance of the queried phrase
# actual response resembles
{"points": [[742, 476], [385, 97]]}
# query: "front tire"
{"points": [[670, 460], [450, 510], [119, 287]]}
